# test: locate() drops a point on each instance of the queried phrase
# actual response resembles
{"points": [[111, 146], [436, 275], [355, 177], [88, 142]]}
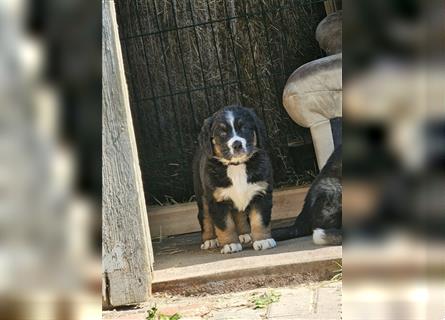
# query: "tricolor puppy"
{"points": [[233, 181]]}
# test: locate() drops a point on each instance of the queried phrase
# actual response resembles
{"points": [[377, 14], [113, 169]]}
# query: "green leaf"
{"points": [[152, 313], [265, 299]]}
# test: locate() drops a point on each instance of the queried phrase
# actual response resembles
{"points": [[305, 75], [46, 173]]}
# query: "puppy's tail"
{"points": [[284, 233], [301, 227], [327, 236]]}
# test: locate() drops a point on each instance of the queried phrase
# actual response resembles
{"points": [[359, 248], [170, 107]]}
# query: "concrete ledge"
{"points": [[293, 261]]}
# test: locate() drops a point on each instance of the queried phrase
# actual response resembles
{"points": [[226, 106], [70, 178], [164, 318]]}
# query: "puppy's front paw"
{"points": [[245, 238], [231, 248], [210, 244], [264, 244]]}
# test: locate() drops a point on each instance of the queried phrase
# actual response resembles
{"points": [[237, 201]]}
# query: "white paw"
{"points": [[264, 244], [231, 248], [319, 237], [210, 244], [244, 238]]}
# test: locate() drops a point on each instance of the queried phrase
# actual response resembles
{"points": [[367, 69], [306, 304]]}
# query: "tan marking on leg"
{"points": [[259, 231], [242, 225], [228, 235], [208, 230]]}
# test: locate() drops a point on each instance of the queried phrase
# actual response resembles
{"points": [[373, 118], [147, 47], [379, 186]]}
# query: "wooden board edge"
{"points": [[182, 218]]}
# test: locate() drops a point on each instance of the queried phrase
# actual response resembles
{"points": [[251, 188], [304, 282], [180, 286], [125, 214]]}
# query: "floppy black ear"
{"points": [[260, 131], [205, 138]]}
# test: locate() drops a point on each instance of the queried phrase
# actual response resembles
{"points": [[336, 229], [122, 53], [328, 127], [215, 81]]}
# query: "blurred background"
{"points": [[393, 161], [50, 151]]}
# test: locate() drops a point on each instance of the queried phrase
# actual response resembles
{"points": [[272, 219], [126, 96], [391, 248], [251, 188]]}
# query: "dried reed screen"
{"points": [[186, 59]]}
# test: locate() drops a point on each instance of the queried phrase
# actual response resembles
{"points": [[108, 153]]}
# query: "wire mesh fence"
{"points": [[186, 59]]}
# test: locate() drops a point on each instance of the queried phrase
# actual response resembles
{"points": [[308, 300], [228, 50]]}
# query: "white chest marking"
{"points": [[240, 192]]}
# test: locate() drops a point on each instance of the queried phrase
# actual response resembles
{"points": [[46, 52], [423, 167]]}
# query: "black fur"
{"points": [[205, 140], [210, 167], [322, 206]]}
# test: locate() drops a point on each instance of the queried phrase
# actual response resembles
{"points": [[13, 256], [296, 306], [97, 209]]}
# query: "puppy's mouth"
{"points": [[233, 152], [237, 158]]}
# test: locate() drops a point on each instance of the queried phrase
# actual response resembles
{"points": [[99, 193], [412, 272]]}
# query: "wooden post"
{"points": [[126, 244]]}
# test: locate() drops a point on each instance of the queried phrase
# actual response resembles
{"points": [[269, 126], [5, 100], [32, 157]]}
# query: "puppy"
{"points": [[233, 181], [322, 209]]}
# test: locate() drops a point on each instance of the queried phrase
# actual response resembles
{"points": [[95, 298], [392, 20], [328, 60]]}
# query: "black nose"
{"points": [[237, 145]]}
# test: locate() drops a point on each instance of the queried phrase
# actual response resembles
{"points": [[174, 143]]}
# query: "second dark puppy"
{"points": [[233, 181], [321, 215]]}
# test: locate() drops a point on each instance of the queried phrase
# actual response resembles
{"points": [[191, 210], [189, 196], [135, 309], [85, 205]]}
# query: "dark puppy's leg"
{"points": [[303, 223], [208, 236], [260, 216], [328, 236], [242, 226], [225, 227], [327, 223]]}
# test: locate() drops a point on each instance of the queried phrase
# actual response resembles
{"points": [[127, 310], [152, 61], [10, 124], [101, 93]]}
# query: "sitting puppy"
{"points": [[322, 209], [233, 181]]}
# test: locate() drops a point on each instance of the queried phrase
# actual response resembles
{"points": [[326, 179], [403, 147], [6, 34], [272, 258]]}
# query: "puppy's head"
{"points": [[232, 135]]}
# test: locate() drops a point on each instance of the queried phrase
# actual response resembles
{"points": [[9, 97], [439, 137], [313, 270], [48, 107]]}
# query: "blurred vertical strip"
{"points": [[394, 159], [50, 159]]}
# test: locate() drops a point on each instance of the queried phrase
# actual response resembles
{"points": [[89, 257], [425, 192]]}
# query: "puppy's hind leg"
{"points": [[208, 236], [327, 236]]}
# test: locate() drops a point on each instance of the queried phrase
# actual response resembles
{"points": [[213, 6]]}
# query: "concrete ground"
{"points": [[205, 284], [185, 251], [181, 267], [320, 300]]}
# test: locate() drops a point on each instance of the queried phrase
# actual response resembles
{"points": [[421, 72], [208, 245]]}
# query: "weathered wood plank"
{"points": [[182, 218], [126, 243]]}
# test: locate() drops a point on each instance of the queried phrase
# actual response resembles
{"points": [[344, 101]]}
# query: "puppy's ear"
{"points": [[205, 137], [260, 131]]}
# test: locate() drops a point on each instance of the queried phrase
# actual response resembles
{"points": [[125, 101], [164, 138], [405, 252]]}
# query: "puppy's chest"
{"points": [[241, 191]]}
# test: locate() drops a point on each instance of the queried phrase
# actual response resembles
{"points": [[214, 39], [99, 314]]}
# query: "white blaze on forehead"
{"points": [[235, 137], [231, 119]]}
